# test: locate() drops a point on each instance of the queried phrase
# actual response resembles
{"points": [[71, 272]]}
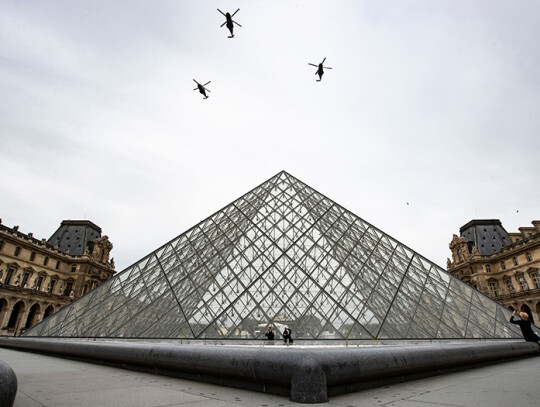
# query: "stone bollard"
{"points": [[8, 385]]}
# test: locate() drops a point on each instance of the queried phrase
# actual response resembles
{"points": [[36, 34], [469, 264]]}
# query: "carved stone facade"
{"points": [[504, 266], [38, 277]]}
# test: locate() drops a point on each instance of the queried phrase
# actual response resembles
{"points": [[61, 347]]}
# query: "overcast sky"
{"points": [[431, 103]]}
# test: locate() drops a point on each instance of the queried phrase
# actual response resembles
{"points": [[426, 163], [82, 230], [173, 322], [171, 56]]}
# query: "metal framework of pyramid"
{"points": [[282, 254]]}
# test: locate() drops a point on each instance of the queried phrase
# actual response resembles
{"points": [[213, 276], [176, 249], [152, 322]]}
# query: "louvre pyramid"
{"points": [[282, 254]]}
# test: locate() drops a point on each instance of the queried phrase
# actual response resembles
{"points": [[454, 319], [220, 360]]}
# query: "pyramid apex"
{"points": [[282, 172]]}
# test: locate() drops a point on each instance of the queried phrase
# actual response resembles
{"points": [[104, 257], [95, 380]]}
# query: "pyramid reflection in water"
{"points": [[283, 254]]}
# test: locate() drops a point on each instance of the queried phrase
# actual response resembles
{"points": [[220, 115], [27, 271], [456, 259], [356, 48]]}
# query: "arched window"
{"points": [[17, 311], [3, 310], [48, 311], [32, 316]]}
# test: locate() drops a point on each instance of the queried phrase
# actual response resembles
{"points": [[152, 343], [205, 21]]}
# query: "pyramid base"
{"points": [[305, 374]]}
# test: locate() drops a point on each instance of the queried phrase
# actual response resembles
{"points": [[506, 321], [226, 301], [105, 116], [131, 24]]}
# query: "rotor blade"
{"points": [[221, 12], [237, 24], [196, 82], [326, 67], [207, 83], [195, 88], [223, 24], [235, 12], [208, 90], [316, 66], [323, 60]]}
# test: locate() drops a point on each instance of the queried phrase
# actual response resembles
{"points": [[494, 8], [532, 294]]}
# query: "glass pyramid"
{"points": [[282, 254]]}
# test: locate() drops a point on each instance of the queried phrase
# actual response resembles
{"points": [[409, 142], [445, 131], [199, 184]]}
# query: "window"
{"points": [[17, 251], [52, 283], [85, 289], [535, 279], [67, 291], [57, 264], [39, 282], [45, 261], [25, 279], [515, 261], [488, 268], [529, 257], [503, 265], [523, 282], [32, 256], [73, 268], [9, 274], [1, 244], [510, 286], [493, 288]]}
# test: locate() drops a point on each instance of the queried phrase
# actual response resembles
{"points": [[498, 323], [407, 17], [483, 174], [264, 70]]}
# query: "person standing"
{"points": [[525, 325], [269, 334], [287, 336]]}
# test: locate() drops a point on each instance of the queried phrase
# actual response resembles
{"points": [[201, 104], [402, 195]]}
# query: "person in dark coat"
{"points": [[269, 334], [287, 336], [525, 325]]}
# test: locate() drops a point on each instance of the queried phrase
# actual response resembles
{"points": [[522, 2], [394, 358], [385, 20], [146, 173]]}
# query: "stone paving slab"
{"points": [[46, 381]]}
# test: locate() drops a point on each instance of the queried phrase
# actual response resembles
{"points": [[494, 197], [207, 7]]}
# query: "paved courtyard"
{"points": [[55, 382]]}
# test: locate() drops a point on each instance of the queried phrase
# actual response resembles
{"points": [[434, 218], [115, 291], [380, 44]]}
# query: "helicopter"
{"points": [[320, 70], [201, 88], [229, 21]]}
